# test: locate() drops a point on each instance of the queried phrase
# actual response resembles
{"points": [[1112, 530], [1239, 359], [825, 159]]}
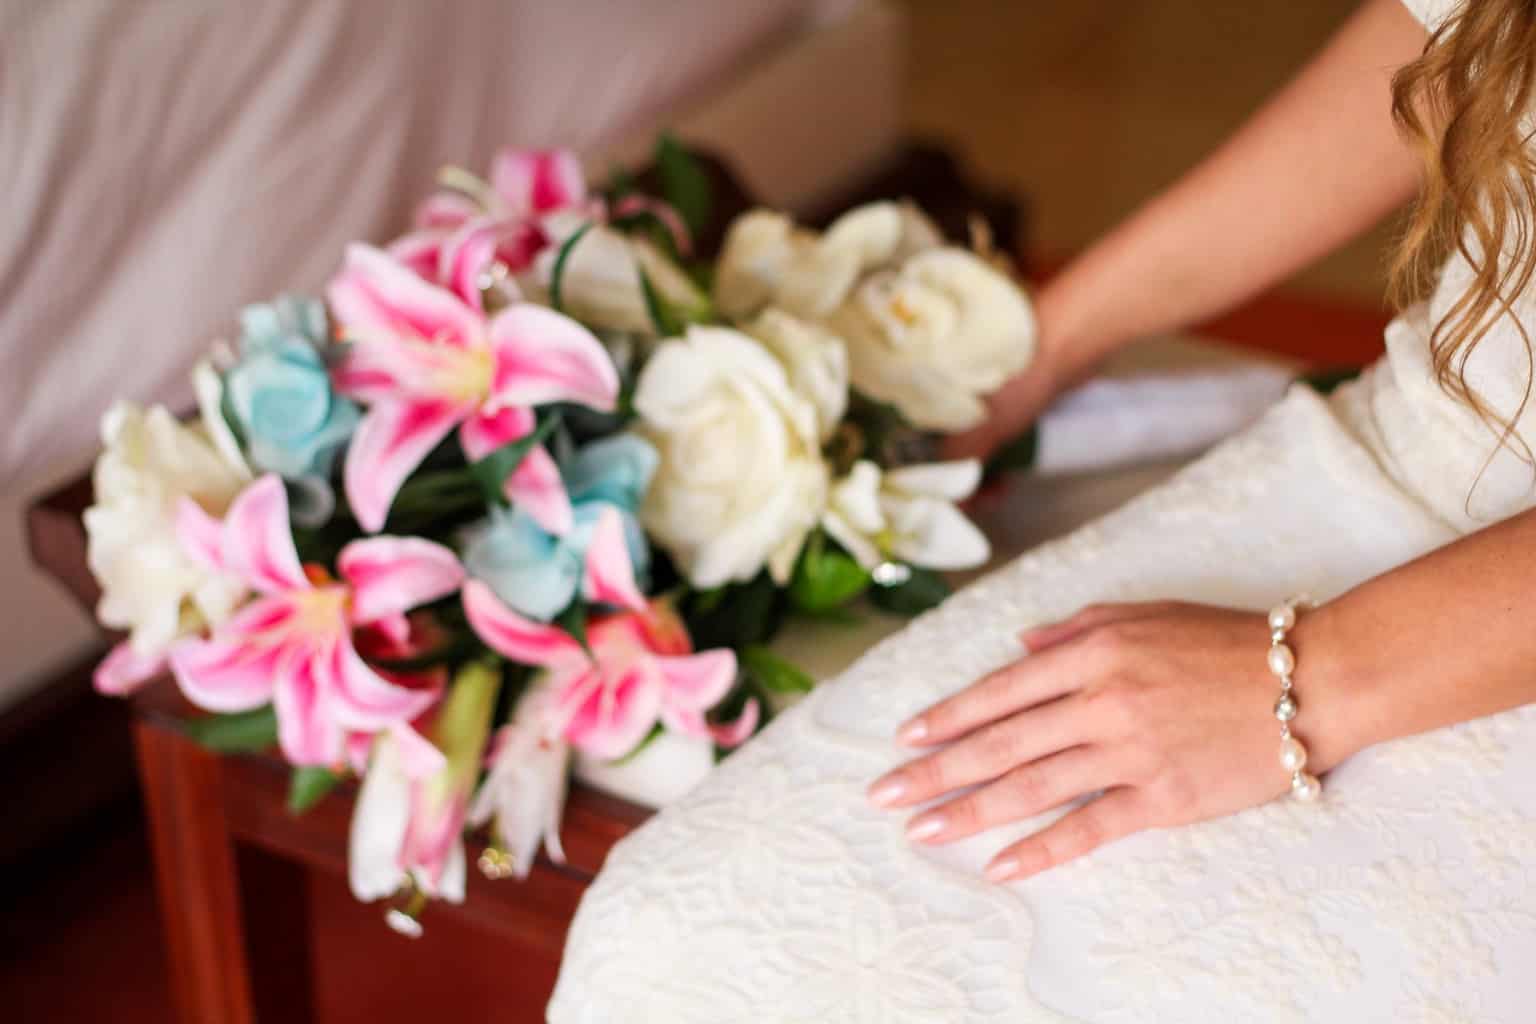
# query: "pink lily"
{"points": [[425, 363], [463, 232], [293, 644], [641, 668]]}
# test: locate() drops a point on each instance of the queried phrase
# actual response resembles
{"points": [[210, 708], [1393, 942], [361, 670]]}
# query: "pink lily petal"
{"points": [[124, 670], [365, 700], [389, 575], [445, 210], [464, 257], [230, 672], [377, 297], [306, 731], [662, 211], [380, 370], [698, 681], [390, 442], [536, 486], [483, 433], [733, 734], [419, 251], [258, 542], [534, 181], [419, 756], [200, 535], [609, 720], [610, 573], [359, 746], [512, 636], [431, 840], [543, 356]]}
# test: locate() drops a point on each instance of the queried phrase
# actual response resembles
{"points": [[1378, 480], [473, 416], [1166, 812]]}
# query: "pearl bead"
{"points": [[1282, 662], [1293, 756], [1306, 788], [1286, 707], [1282, 617]]}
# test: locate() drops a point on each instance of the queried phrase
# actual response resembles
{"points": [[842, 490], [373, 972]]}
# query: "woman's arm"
{"points": [[1317, 165], [1166, 708]]}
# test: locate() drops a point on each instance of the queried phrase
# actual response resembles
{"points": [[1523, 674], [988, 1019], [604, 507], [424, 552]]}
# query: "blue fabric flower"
{"points": [[279, 394], [539, 574]]}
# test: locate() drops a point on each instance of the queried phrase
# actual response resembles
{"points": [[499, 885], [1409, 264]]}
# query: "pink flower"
{"points": [[461, 233], [293, 645], [641, 667], [424, 363]]}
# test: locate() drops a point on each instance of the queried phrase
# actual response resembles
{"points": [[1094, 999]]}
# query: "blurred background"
{"points": [[1079, 109]]}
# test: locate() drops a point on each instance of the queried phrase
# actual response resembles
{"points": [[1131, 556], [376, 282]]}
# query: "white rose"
{"points": [[768, 261], [936, 336], [741, 480], [907, 514], [149, 462], [600, 285], [816, 360]]}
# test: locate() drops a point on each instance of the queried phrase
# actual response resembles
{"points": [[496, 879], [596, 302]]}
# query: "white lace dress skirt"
{"points": [[774, 892]]}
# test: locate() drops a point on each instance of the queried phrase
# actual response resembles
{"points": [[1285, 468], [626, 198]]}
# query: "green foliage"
{"points": [[492, 471], [308, 785], [923, 590], [684, 183], [735, 615], [1327, 381], [557, 273], [668, 321], [1016, 455], [240, 732], [773, 673], [826, 577]]}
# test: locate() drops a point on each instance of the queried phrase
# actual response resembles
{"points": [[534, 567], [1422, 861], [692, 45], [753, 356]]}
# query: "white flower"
{"points": [[524, 791], [741, 480], [379, 858], [600, 284], [659, 774], [768, 260], [936, 336], [816, 360], [150, 461], [908, 514]]}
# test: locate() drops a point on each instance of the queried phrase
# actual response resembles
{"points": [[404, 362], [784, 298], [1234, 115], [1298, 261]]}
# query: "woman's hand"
{"points": [[1164, 710]]}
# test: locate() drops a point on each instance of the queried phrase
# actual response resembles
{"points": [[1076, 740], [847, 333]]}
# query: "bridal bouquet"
{"points": [[534, 480]]}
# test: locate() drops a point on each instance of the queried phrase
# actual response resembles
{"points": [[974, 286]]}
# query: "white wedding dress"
{"points": [[774, 892]]}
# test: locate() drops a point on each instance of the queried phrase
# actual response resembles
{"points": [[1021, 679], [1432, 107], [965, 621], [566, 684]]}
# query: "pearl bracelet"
{"points": [[1282, 662]]}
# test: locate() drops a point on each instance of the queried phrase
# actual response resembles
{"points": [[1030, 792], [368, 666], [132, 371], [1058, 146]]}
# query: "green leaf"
{"points": [[237, 733], [574, 621], [741, 614], [668, 323], [308, 785], [684, 183], [1016, 455], [492, 471], [774, 673], [825, 578], [923, 590], [557, 274]]}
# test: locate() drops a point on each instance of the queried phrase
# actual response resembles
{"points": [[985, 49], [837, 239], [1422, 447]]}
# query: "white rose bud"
{"points": [[741, 480], [908, 514], [936, 336]]}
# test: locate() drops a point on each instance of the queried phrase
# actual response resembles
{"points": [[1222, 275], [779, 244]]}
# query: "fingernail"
{"points": [[925, 827], [1002, 869], [887, 792], [914, 731]]}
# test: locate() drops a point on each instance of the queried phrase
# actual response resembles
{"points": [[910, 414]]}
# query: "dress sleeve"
{"points": [[1431, 13]]}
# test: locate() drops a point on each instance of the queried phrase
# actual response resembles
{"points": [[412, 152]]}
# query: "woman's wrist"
{"points": [[1337, 696]]}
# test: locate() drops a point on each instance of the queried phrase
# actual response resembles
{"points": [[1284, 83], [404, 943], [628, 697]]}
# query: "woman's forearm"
{"points": [[1446, 638], [1317, 165]]}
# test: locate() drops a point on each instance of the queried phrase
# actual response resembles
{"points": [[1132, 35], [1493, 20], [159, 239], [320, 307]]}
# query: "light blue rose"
{"points": [[280, 397], [539, 574]]}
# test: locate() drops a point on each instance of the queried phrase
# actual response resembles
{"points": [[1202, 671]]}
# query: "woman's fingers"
{"points": [[1024, 683], [1112, 816], [1043, 637], [1026, 791], [985, 754]]}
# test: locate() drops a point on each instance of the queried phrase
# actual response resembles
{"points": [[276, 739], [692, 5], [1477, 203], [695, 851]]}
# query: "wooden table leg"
{"points": [[195, 873]]}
